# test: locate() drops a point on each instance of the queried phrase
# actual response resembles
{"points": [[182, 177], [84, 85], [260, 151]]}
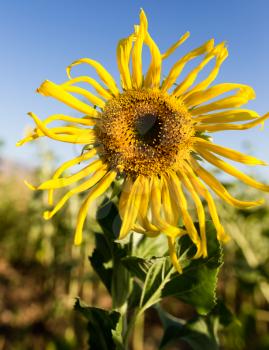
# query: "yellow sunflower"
{"points": [[151, 133]]}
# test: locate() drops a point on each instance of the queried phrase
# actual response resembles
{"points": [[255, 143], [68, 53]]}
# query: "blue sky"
{"points": [[39, 38]]}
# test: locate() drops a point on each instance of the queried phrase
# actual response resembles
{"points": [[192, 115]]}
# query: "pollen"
{"points": [[145, 132]]}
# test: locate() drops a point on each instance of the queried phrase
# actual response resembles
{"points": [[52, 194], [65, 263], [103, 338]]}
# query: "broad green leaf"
{"points": [[138, 266], [100, 259], [195, 333], [101, 323], [149, 247], [107, 256], [157, 276], [197, 284]]}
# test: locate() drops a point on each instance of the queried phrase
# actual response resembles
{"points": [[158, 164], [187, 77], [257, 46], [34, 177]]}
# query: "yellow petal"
{"points": [[83, 136], [96, 192], [203, 191], [153, 75], [182, 203], [137, 73], [244, 94], [216, 52], [125, 193], [200, 97], [81, 188], [200, 211], [233, 115], [100, 70], [233, 171], [48, 88], [84, 79], [62, 182], [172, 48], [226, 152], [156, 204], [179, 65], [132, 208], [87, 94], [221, 53], [220, 127], [68, 164], [171, 211], [144, 207], [88, 121], [173, 254], [123, 58], [219, 189]]}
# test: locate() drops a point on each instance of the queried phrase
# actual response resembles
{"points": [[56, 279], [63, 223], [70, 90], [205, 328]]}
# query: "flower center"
{"points": [[145, 132], [148, 128]]}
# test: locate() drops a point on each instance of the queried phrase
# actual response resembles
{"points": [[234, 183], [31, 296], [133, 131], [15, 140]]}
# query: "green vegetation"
{"points": [[42, 274]]}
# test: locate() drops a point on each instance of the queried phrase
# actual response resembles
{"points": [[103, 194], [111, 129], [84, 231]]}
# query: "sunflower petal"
{"points": [[97, 191], [88, 80], [182, 203], [233, 115], [169, 230], [226, 152], [221, 127], [81, 136], [219, 189], [132, 208], [153, 75], [141, 30], [48, 88], [200, 211], [180, 64], [173, 254], [63, 182], [233, 171], [200, 97], [87, 94], [221, 53], [100, 70], [143, 209], [123, 58], [66, 165], [216, 52], [172, 48], [244, 94], [203, 191], [81, 188]]}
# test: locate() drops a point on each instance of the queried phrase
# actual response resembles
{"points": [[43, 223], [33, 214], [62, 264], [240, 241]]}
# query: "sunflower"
{"points": [[153, 134]]}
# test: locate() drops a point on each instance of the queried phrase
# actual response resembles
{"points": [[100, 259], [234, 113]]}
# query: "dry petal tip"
{"points": [[47, 215], [32, 187]]}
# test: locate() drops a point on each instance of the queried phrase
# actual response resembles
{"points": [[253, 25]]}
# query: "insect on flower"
{"points": [[152, 133]]}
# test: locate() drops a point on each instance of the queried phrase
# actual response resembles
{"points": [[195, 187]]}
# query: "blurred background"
{"points": [[41, 272]]}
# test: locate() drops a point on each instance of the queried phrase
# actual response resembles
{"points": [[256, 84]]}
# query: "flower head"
{"points": [[153, 133]]}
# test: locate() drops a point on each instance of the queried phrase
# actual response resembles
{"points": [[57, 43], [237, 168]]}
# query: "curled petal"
{"points": [[219, 189], [88, 80], [100, 70], [226, 152], [172, 48], [179, 65], [96, 192]]}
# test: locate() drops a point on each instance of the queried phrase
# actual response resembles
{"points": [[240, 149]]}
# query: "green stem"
{"points": [[136, 316]]}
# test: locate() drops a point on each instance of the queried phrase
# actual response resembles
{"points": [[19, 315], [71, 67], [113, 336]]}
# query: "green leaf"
{"points": [[197, 284], [138, 266], [101, 323], [100, 259], [196, 333], [157, 276], [107, 256], [149, 247]]}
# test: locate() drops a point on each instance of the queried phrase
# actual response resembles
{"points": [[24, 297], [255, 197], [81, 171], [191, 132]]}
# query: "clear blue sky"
{"points": [[39, 38]]}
